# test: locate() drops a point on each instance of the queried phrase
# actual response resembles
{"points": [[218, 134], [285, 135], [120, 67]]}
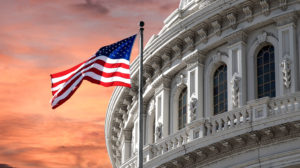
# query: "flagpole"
{"points": [[141, 115]]}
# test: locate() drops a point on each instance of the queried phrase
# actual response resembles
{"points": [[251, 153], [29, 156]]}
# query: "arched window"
{"points": [[182, 110], [266, 72], [220, 90]]}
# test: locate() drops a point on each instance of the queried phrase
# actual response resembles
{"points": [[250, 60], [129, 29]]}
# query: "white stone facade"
{"points": [[197, 38]]}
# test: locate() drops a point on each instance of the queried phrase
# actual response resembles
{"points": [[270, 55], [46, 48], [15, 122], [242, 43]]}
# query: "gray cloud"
{"points": [[5, 166], [93, 7]]}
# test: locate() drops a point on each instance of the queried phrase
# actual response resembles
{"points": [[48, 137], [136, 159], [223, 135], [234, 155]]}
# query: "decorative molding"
{"points": [[217, 27], [195, 58], [202, 32], [261, 38], [247, 9], [265, 7], [237, 37], [166, 56], [289, 18], [127, 135], [177, 47], [148, 71], [189, 39], [235, 89], [193, 107], [231, 16], [286, 71], [181, 82], [156, 65], [283, 4], [158, 131]]}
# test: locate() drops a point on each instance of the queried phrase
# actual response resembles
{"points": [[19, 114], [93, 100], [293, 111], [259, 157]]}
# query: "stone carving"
{"points": [[217, 27], [235, 89], [248, 13], [262, 37], [202, 34], [283, 4], [286, 71], [193, 107], [232, 20], [181, 81], [158, 131], [265, 7]]}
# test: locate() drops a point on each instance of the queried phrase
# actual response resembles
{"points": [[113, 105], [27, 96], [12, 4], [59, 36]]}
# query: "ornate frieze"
{"points": [[265, 7], [286, 71]]}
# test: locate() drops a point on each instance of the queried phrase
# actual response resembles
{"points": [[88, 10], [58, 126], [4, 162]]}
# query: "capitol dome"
{"points": [[221, 90]]}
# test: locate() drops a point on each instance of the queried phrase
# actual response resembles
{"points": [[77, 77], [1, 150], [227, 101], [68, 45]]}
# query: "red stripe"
{"points": [[59, 74], [100, 62], [98, 72], [105, 84], [65, 88], [106, 65]]}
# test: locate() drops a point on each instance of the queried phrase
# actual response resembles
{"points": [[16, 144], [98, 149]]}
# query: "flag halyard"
{"points": [[108, 67]]}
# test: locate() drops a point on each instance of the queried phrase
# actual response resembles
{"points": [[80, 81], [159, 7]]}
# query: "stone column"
{"points": [[195, 92], [237, 79], [162, 99], [126, 148], [288, 58]]}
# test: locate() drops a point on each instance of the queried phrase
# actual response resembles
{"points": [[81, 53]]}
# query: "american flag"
{"points": [[108, 67]]}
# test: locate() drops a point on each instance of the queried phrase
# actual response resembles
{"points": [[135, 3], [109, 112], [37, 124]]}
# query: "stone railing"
{"points": [[131, 163], [227, 120], [256, 111]]}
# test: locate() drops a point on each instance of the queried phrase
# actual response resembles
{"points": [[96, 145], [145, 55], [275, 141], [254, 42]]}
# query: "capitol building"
{"points": [[221, 90]]}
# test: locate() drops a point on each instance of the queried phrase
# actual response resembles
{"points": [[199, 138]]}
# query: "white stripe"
{"points": [[92, 75], [57, 87], [103, 58], [97, 66]]}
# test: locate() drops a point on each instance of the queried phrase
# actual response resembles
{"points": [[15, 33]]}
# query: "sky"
{"points": [[41, 37]]}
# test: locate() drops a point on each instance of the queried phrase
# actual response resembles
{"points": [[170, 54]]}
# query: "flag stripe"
{"points": [[108, 67], [66, 74], [60, 84], [92, 76]]}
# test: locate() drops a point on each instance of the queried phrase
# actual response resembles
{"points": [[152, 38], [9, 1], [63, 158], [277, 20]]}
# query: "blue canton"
{"points": [[118, 50]]}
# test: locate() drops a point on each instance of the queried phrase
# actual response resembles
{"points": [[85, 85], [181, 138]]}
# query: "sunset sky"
{"points": [[40, 37]]}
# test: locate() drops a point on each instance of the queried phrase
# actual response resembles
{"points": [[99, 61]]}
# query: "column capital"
{"points": [[289, 18], [194, 58], [236, 37]]}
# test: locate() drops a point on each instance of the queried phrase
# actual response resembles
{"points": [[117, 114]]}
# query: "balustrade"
{"points": [[219, 123]]}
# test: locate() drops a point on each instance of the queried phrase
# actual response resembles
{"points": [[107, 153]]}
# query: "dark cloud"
{"points": [[95, 7], [5, 166]]}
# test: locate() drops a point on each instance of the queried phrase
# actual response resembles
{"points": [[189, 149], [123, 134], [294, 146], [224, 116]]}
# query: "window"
{"points": [[220, 90], [266, 72], [182, 110]]}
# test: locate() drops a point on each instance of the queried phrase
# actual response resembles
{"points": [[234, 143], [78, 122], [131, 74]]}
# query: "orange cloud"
{"points": [[40, 37]]}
